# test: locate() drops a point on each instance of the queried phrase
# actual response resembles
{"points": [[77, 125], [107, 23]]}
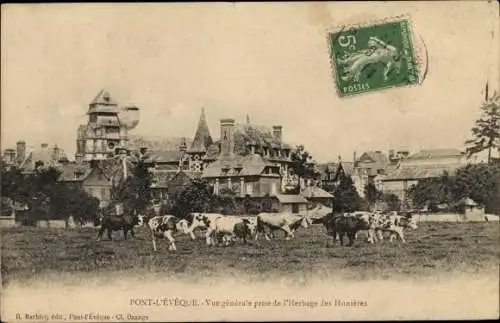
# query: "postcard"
{"points": [[295, 161]]}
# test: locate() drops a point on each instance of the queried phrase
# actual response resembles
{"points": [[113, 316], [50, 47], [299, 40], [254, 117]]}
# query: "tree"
{"points": [[345, 196], [193, 198], [479, 182], [392, 201], [486, 131], [302, 164], [224, 202], [136, 189], [372, 194]]}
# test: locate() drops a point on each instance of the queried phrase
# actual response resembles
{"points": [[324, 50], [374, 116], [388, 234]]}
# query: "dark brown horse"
{"points": [[117, 217]]}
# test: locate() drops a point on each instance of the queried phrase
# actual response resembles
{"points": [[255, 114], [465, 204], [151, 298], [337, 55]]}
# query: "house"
{"points": [[291, 203], [250, 159], [106, 129], [428, 163], [28, 159], [96, 177], [317, 195]]}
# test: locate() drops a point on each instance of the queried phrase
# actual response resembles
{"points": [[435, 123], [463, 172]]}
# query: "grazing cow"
{"points": [[117, 221], [288, 222], [201, 221], [166, 226], [339, 225], [231, 227], [396, 224]]}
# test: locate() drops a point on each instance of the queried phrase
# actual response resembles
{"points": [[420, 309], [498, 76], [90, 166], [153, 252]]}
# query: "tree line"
{"points": [[46, 198]]}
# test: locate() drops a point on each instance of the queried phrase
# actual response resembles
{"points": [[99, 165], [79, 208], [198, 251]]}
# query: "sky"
{"points": [[267, 60]]}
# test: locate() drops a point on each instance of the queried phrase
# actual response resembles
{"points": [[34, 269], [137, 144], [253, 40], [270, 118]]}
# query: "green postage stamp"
{"points": [[373, 56]]}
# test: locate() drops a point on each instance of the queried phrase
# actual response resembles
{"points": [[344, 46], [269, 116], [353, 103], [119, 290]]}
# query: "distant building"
{"points": [[97, 177], [428, 163], [107, 128], [250, 159], [28, 159]]}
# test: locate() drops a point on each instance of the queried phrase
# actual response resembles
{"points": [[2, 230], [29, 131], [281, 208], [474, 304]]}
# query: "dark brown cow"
{"points": [[117, 221]]}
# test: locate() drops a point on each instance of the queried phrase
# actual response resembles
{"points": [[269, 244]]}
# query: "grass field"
{"points": [[29, 253]]}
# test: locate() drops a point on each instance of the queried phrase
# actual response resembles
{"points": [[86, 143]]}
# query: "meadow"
{"points": [[434, 248]]}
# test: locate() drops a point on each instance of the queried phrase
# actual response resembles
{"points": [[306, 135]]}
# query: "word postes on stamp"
{"points": [[373, 57]]}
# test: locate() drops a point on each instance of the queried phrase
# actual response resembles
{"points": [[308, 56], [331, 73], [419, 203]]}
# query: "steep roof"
{"points": [[249, 165], [42, 154], [202, 138], [69, 172], [377, 156], [291, 199], [164, 156], [315, 192], [407, 172], [104, 98], [157, 143], [436, 153], [467, 201]]}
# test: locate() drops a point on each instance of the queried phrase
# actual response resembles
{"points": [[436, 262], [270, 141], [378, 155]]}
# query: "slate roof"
{"points": [[378, 157], [68, 172], [291, 199], [162, 178], [467, 201], [315, 192], [103, 97], [250, 165], [202, 138], [157, 143], [410, 172], [164, 156], [348, 168], [44, 155], [436, 153]]}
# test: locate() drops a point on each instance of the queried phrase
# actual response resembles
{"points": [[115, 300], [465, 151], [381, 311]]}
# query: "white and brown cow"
{"points": [[231, 227], [395, 225], [287, 222], [201, 221], [166, 226]]}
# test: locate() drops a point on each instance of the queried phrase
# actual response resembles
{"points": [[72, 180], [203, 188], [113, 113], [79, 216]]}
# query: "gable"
{"points": [[97, 177], [366, 158]]}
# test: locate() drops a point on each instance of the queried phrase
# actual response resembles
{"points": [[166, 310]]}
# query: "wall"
{"points": [[8, 222], [289, 208], [399, 188], [97, 185]]}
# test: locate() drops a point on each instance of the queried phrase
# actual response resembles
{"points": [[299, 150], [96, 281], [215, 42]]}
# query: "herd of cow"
{"points": [[226, 229]]}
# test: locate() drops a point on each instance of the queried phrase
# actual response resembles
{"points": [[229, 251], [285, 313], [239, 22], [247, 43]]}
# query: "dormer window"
{"points": [[225, 169], [238, 169]]}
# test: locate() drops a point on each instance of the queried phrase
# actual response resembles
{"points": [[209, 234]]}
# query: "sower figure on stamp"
{"points": [[377, 51]]}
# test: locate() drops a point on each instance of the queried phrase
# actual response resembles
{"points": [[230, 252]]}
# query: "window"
{"points": [[249, 189], [295, 208], [103, 193], [273, 189]]}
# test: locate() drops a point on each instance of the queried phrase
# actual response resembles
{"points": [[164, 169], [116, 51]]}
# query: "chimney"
{"points": [[93, 163], [10, 155], [277, 132], [354, 157], [391, 154], [227, 137], [56, 153], [21, 150], [79, 158]]}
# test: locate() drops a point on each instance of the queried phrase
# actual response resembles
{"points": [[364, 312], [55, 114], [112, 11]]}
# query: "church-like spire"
{"points": [[248, 118], [202, 139]]}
